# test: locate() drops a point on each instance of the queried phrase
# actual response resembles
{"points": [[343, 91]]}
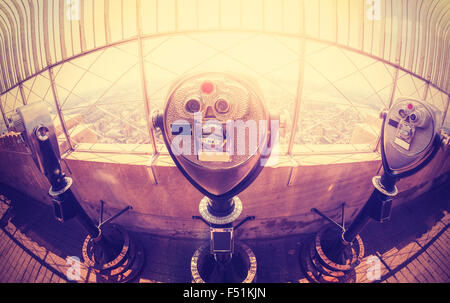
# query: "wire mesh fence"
{"points": [[326, 66]]}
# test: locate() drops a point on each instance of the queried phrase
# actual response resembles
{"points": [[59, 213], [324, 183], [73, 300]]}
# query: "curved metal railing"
{"points": [[407, 40]]}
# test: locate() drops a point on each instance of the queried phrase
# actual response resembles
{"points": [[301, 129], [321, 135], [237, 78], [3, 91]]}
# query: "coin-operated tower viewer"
{"points": [[109, 250], [410, 138], [220, 135]]}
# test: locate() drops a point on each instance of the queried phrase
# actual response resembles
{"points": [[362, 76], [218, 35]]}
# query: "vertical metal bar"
{"points": [[394, 88], [418, 43], [121, 19], [22, 94], [348, 23], [219, 17], [107, 25], [413, 42], [391, 31], [143, 77], [33, 36], [362, 26], [176, 14], [93, 23], [406, 33], [241, 13], [53, 31], [27, 34], [15, 45], [427, 36], [3, 82], [301, 71], [263, 11], [427, 88], [197, 15], [431, 58], [435, 48], [400, 37], [445, 70], [438, 50], [62, 34], [423, 40], [433, 41], [48, 57], [383, 35], [157, 16], [4, 59], [81, 27], [3, 112], [436, 71], [318, 19], [38, 21], [58, 108], [22, 33], [336, 32], [391, 101], [444, 115], [71, 37], [372, 31], [6, 54]]}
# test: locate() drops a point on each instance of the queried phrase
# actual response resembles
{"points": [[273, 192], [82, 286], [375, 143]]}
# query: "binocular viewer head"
{"points": [[409, 132], [217, 130], [35, 124]]}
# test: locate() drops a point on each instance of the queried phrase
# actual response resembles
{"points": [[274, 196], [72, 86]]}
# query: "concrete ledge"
{"points": [[164, 201]]}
